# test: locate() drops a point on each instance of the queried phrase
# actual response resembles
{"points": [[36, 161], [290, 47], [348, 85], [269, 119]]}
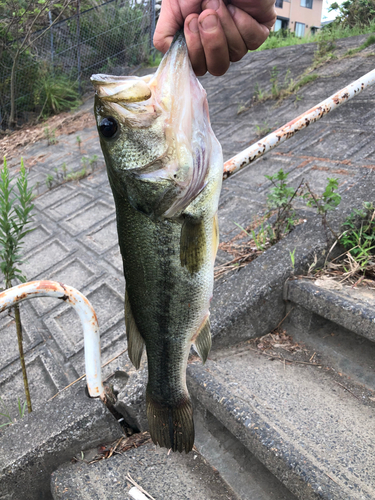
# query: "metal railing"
{"points": [[86, 314]]}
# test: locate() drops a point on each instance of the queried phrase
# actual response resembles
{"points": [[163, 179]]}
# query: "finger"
{"points": [[194, 45], [236, 45], [253, 33], [262, 11], [170, 21], [214, 42]]}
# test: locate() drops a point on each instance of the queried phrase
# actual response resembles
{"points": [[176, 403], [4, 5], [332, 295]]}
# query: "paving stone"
{"points": [[65, 325], [87, 217], [32, 333], [69, 205], [42, 259]]}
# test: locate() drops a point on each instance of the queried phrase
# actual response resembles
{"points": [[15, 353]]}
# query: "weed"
{"points": [[7, 415], [324, 203], [93, 162], [49, 181], [280, 197], [50, 136], [359, 237], [76, 176], [275, 91], [262, 130], [15, 216], [57, 93], [370, 41], [79, 142], [292, 257], [64, 169]]}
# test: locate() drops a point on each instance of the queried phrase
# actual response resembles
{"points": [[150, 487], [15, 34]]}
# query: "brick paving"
{"points": [[75, 239]]}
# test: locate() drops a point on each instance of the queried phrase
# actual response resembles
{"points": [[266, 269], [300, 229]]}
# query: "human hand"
{"points": [[215, 33]]}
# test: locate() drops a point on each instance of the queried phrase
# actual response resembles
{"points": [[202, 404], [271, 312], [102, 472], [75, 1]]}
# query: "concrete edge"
{"points": [[346, 312], [250, 303], [32, 448], [294, 470]]}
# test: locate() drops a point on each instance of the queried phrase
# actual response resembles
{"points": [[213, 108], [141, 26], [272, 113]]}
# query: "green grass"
{"points": [[370, 41], [334, 33], [158, 57]]}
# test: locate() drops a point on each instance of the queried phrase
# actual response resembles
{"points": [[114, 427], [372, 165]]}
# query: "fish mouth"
{"points": [[126, 89]]}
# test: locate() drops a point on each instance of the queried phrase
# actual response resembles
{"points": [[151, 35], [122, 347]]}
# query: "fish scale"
{"points": [[165, 169]]}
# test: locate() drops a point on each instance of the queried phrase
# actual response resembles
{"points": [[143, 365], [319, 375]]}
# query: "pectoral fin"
{"points": [[192, 245], [202, 340], [135, 340]]}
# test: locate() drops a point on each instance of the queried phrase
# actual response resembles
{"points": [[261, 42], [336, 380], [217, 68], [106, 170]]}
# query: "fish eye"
{"points": [[108, 127]]}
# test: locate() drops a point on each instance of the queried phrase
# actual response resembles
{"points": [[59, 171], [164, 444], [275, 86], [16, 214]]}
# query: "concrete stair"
{"points": [[311, 423], [274, 423]]}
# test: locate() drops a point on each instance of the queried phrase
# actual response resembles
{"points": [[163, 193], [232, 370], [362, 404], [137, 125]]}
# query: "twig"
{"points": [[280, 358], [84, 375], [352, 393], [131, 480], [284, 318], [115, 447]]}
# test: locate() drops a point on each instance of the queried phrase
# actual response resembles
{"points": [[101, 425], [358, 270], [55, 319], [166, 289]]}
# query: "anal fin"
{"points": [[202, 340], [192, 244], [135, 340]]}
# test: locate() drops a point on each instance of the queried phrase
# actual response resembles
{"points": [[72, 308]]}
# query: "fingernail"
{"points": [[193, 25], [231, 9], [209, 23], [212, 4]]}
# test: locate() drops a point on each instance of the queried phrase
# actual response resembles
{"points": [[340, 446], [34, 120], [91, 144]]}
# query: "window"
{"points": [[299, 29], [307, 3], [279, 3], [281, 23]]}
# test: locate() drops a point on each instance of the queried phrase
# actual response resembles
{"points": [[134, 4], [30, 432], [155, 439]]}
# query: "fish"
{"points": [[165, 169]]}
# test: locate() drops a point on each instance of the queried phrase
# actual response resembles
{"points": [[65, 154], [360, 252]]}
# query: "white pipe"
{"points": [[85, 312], [280, 135]]}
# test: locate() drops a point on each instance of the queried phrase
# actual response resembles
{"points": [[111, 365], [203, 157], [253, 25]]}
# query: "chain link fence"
{"points": [[112, 38]]}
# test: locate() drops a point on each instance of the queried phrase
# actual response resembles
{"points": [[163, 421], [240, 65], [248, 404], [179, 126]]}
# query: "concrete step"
{"points": [[352, 308], [171, 476], [311, 433], [337, 324]]}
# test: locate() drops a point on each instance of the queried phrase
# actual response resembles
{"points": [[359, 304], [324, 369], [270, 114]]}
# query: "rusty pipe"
{"points": [[287, 131], [85, 312]]}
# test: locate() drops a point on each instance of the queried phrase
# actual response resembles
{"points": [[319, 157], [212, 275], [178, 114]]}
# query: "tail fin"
{"points": [[171, 427]]}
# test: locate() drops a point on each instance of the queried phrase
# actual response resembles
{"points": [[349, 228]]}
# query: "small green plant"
{"points": [[15, 216], [79, 142], [259, 94], [64, 169], [55, 93], [93, 162], [275, 90], [50, 136], [49, 180], [262, 130], [76, 176], [359, 235], [280, 198], [292, 257], [324, 203], [7, 415]]}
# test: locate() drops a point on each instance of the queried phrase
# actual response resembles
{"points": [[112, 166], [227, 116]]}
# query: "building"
{"points": [[300, 16]]}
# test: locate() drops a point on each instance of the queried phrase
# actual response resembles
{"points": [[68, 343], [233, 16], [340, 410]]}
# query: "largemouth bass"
{"points": [[165, 169]]}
